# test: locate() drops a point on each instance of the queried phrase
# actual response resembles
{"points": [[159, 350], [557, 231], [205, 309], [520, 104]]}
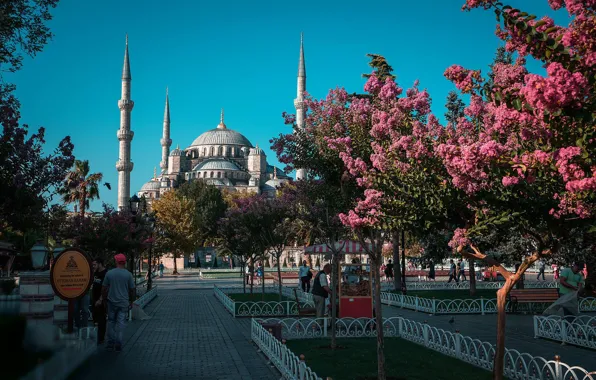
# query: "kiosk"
{"points": [[355, 291]]}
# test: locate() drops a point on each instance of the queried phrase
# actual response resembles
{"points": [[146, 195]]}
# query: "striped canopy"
{"points": [[349, 247]]}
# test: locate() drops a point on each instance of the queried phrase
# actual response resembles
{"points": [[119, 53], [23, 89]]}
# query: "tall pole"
{"points": [[149, 281], [403, 260]]}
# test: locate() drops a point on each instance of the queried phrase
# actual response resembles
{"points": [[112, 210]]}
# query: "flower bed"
{"points": [[260, 308], [579, 331], [473, 351]]}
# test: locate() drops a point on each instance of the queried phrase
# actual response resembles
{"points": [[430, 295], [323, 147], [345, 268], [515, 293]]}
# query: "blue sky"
{"points": [[235, 54]]}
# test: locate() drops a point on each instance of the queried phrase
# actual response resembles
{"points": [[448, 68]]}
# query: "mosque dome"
{"points": [[152, 185], [221, 135], [216, 165], [176, 152]]}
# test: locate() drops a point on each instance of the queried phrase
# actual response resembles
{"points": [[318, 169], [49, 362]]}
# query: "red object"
{"points": [[120, 258], [355, 307]]}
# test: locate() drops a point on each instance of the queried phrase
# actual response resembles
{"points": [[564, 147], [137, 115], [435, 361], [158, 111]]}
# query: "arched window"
{"points": [[218, 174], [220, 151], [211, 175], [204, 152], [212, 151], [225, 174], [228, 151]]}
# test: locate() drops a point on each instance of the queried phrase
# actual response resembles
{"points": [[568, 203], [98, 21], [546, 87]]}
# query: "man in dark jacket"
{"points": [[99, 310]]}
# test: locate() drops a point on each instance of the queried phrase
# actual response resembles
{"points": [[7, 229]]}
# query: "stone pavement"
{"points": [[189, 336], [519, 334]]}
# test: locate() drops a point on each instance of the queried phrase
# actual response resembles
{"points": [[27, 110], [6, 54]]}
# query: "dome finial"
{"points": [[221, 125], [155, 172], [274, 172]]}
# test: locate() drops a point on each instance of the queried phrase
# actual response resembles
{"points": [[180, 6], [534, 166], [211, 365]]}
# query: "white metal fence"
{"points": [[480, 354], [261, 308], [579, 331], [436, 285]]}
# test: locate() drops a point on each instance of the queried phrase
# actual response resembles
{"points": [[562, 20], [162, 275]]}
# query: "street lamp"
{"points": [[151, 225], [134, 203]]}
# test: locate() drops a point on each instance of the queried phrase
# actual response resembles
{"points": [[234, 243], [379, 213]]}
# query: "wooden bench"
{"points": [[304, 311], [546, 295]]}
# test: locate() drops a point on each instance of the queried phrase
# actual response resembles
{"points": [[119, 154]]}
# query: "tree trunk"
{"points": [[472, 276], [334, 289], [82, 205], [251, 273], [403, 261], [243, 277], [175, 265], [278, 274], [396, 264], [379, 319], [263, 286], [499, 363]]}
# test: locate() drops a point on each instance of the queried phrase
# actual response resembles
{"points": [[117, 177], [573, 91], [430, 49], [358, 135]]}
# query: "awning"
{"points": [[349, 247]]}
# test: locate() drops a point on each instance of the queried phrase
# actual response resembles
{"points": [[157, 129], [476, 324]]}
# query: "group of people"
{"points": [[112, 295], [250, 271], [457, 271]]}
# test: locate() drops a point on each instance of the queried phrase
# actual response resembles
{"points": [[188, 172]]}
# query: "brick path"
{"points": [[190, 336], [519, 335]]}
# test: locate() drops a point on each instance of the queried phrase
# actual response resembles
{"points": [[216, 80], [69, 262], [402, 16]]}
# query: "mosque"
{"points": [[220, 156]]}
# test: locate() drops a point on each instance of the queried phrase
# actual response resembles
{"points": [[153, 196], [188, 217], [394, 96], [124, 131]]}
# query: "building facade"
{"points": [[220, 156]]}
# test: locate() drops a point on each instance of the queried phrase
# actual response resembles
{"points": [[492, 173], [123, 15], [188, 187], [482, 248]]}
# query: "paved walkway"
{"points": [[189, 336], [519, 335]]}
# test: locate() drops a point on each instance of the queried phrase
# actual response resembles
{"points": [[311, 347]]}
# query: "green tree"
{"points": [[80, 186]]}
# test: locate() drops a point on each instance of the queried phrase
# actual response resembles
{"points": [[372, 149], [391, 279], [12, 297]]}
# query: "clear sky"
{"points": [[238, 54]]}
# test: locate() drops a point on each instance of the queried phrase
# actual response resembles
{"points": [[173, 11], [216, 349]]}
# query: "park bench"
{"points": [[517, 296], [304, 311]]}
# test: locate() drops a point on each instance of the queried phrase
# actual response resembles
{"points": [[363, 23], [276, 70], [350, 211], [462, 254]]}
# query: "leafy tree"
{"points": [[80, 187], [28, 175], [455, 108]]}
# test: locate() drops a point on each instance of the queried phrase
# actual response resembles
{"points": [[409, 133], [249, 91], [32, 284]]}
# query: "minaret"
{"points": [[165, 141], [125, 135], [299, 101]]}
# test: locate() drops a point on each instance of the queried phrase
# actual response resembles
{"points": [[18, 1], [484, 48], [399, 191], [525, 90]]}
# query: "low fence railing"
{"points": [[435, 285], [465, 305], [575, 330], [480, 354], [146, 298], [260, 308]]}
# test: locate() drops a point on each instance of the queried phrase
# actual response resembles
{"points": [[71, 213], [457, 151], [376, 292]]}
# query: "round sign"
{"points": [[71, 274]]}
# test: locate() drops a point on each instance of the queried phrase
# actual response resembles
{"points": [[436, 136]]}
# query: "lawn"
{"points": [[257, 296], [452, 294], [403, 360]]}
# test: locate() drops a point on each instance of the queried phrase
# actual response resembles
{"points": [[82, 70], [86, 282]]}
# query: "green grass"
{"points": [[403, 360], [257, 296], [453, 294]]}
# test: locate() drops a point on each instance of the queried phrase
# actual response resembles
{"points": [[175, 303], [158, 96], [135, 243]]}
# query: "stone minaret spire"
{"points": [[165, 141], [299, 101], [125, 135]]}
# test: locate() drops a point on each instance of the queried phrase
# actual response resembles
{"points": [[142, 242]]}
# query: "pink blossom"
{"points": [[459, 238], [510, 181]]}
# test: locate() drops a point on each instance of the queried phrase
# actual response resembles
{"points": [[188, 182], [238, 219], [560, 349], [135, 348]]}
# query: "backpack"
{"points": [[309, 274]]}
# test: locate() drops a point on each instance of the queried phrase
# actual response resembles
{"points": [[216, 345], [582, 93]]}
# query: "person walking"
{"points": [[452, 272], [321, 290], [389, 271], [541, 268], [305, 275], [431, 271], [161, 267], [99, 309], [462, 270], [118, 289]]}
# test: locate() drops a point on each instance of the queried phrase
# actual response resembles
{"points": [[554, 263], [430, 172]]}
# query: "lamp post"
{"points": [[151, 224], [134, 202]]}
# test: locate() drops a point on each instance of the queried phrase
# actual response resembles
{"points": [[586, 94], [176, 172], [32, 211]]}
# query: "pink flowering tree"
{"points": [[523, 154]]}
